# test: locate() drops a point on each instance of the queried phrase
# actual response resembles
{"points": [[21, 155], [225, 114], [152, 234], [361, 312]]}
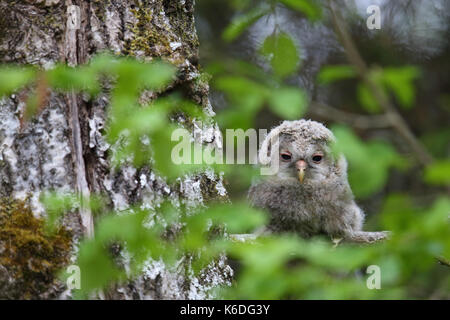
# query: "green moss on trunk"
{"points": [[29, 256]]}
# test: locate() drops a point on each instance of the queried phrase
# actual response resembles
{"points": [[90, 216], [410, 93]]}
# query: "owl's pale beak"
{"points": [[301, 166]]}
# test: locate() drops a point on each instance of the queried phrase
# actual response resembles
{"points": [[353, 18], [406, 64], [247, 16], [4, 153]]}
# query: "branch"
{"points": [[328, 112], [394, 118]]}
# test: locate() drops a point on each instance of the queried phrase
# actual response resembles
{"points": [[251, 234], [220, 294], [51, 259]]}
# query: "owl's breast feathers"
{"points": [[299, 207]]}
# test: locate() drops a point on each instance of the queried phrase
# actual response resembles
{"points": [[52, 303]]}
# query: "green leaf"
{"points": [[104, 63], [238, 218], [320, 253], [310, 8], [163, 145], [242, 22], [438, 173], [330, 74], [67, 78], [400, 81], [288, 102], [367, 100], [282, 53], [97, 267], [437, 141], [13, 78], [55, 206], [436, 222], [369, 162], [234, 118], [243, 92], [157, 75], [391, 266]]}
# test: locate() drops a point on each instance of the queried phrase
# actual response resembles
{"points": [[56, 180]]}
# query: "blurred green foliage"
{"points": [[310, 8], [15, 77], [251, 11], [272, 267], [438, 173], [396, 80], [369, 162], [329, 74], [243, 21], [282, 53]]}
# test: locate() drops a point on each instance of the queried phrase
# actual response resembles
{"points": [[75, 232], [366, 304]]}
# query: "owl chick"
{"points": [[309, 194]]}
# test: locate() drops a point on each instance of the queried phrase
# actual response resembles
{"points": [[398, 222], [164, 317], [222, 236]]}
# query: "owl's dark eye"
{"points": [[286, 156], [317, 158]]}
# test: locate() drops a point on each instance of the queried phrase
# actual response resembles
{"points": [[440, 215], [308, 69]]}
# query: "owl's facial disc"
{"points": [[301, 166]]}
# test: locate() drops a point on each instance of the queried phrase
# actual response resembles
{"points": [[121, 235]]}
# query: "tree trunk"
{"points": [[62, 149]]}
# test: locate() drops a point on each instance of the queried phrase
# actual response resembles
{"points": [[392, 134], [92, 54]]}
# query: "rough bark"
{"points": [[63, 148]]}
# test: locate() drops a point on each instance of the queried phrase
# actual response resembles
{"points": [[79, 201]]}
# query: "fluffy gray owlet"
{"points": [[309, 194]]}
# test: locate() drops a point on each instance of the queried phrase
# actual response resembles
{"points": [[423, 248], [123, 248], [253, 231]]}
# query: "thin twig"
{"points": [[359, 121], [394, 118]]}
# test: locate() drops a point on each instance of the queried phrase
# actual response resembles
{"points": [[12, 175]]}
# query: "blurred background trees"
{"points": [[383, 92], [410, 55]]}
